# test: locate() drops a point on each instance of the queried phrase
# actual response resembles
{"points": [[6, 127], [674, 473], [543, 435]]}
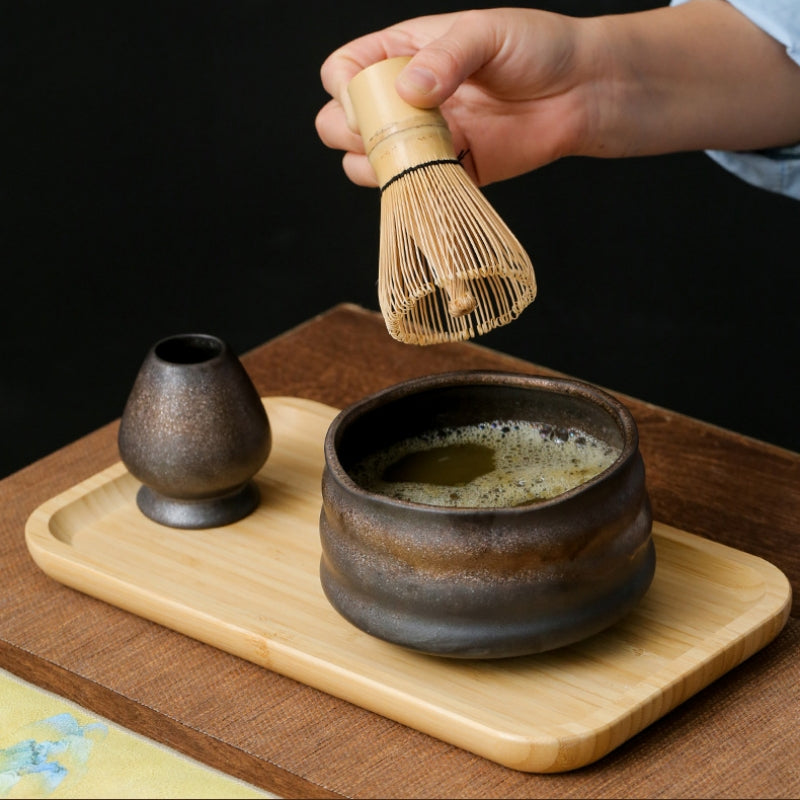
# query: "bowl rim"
{"points": [[557, 384]]}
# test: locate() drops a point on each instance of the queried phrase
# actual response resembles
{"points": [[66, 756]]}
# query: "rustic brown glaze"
{"points": [[194, 431], [304, 743], [485, 582]]}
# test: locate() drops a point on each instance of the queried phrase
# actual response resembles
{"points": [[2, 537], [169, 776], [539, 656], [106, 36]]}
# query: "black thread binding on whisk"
{"points": [[457, 160]]}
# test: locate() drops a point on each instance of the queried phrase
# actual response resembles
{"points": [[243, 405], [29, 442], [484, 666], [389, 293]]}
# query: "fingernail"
{"points": [[419, 79]]}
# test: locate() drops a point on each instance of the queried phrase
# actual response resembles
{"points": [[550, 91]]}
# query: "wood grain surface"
{"points": [[737, 738], [253, 589]]}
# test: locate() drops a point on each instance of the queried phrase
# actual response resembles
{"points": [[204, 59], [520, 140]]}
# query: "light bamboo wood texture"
{"points": [[252, 589], [397, 136], [449, 267]]}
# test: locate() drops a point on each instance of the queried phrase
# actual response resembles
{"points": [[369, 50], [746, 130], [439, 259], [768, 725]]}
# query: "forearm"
{"points": [[693, 77]]}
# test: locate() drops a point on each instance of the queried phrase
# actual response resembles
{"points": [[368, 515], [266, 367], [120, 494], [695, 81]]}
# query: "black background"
{"points": [[161, 173]]}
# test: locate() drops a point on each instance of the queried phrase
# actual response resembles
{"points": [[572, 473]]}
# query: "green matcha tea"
{"points": [[487, 465]]}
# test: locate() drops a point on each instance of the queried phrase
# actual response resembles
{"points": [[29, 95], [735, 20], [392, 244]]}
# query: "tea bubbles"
{"points": [[500, 463]]}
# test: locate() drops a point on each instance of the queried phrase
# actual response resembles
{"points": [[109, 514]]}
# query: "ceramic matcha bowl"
{"points": [[485, 514]]}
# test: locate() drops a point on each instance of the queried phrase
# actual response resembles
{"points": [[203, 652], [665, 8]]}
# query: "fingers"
{"points": [[440, 67], [402, 39], [334, 131], [341, 66], [358, 169], [336, 72], [446, 49]]}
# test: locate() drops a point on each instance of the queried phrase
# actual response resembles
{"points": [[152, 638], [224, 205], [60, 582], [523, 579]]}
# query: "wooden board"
{"points": [[253, 590]]}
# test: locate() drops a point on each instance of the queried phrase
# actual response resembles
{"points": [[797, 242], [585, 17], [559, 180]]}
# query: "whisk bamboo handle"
{"points": [[449, 267], [397, 136]]}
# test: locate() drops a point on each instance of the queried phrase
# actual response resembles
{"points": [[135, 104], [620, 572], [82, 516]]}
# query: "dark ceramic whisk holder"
{"points": [[194, 432]]}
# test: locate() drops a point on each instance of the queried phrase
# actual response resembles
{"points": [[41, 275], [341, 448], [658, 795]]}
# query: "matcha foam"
{"points": [[495, 464]]}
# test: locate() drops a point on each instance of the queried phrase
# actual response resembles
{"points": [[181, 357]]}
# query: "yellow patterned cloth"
{"points": [[52, 748]]}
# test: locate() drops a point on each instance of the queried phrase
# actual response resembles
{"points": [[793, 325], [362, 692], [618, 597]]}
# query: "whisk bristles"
{"points": [[449, 267]]}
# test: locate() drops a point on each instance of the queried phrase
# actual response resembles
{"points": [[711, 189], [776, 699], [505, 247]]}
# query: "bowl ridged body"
{"points": [[485, 583]]}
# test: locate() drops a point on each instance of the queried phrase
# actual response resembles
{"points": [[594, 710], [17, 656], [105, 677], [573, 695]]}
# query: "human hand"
{"points": [[508, 82], [520, 87]]}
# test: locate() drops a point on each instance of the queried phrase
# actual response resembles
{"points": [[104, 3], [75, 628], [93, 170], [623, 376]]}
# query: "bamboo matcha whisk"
{"points": [[449, 267]]}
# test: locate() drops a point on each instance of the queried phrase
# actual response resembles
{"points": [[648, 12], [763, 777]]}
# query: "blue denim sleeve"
{"points": [[776, 169]]}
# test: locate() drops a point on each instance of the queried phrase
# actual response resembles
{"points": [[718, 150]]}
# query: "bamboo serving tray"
{"points": [[252, 589]]}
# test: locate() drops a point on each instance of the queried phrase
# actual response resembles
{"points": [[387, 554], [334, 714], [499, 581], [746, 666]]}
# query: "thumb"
{"points": [[439, 68]]}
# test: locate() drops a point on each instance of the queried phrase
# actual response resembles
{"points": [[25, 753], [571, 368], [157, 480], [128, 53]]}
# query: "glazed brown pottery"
{"points": [[194, 431], [469, 582]]}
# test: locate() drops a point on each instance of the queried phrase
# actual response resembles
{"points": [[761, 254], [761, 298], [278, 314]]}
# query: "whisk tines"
{"points": [[449, 267]]}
